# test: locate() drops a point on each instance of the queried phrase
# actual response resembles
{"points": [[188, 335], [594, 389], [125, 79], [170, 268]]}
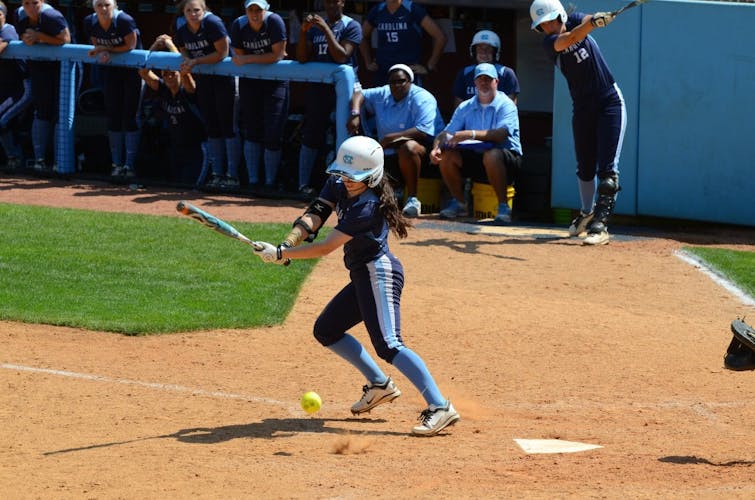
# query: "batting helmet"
{"points": [[360, 159], [546, 10], [488, 37]]}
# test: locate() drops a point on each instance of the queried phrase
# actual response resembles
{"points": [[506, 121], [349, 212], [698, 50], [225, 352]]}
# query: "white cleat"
{"points": [[436, 418], [374, 395], [597, 238]]}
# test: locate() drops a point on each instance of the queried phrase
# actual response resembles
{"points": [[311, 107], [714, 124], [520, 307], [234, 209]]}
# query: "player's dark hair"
{"points": [[390, 209]]}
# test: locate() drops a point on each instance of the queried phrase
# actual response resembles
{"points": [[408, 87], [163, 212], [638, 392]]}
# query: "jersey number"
{"points": [[581, 55], [322, 49], [391, 36]]}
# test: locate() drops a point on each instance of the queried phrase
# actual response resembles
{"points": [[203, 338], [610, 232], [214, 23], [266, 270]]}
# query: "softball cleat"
{"points": [[436, 418], [374, 395], [580, 223]]}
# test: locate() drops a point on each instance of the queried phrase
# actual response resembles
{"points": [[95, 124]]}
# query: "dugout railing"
{"points": [[340, 75]]}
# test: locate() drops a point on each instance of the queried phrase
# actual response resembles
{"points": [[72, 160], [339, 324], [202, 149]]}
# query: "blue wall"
{"points": [[687, 72]]}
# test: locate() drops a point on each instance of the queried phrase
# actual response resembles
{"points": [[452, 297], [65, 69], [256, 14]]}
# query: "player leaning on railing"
{"points": [[15, 93], [37, 22]]}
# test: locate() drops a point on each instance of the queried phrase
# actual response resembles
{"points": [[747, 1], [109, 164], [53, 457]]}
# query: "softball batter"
{"points": [[113, 31], [599, 115], [367, 211]]}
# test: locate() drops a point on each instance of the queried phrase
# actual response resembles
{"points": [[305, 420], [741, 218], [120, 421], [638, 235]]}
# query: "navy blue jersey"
{"points": [[201, 43], [122, 25], [359, 217], [345, 30], [399, 34], [184, 123], [12, 71], [582, 64], [51, 22], [244, 37], [464, 84]]}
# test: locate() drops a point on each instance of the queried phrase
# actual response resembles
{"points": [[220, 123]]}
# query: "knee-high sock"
{"points": [[41, 131], [352, 351], [132, 147], [587, 194], [252, 157], [217, 155], [413, 368], [307, 158], [205, 165], [115, 140], [272, 162], [233, 155], [9, 145]]}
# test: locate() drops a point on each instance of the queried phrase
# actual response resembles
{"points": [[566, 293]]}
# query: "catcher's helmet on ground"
{"points": [[360, 158], [546, 10], [741, 352]]}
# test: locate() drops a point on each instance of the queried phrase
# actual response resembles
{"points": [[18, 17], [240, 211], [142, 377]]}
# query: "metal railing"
{"points": [[340, 75]]}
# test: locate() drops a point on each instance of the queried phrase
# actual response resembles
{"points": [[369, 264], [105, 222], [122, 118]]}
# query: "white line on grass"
{"points": [[716, 277], [151, 385]]}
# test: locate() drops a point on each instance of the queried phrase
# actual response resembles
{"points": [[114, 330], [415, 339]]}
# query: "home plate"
{"points": [[553, 446]]}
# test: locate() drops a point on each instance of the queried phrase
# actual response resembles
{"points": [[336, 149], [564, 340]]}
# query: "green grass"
{"points": [[138, 274], [738, 266]]}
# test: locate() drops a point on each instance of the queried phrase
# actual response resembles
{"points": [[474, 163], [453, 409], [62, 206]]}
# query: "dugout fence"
{"points": [[341, 76]]}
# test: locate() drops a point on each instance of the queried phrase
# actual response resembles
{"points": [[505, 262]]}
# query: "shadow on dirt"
{"points": [[693, 460], [269, 428]]}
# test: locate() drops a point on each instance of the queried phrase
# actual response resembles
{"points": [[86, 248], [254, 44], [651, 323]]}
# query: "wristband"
{"points": [[279, 252], [474, 134], [355, 112]]}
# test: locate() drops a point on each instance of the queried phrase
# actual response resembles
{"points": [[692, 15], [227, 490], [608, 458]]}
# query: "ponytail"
{"points": [[390, 209]]}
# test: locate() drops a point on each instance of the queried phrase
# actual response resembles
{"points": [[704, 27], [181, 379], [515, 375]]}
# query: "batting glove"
{"points": [[268, 253], [601, 19]]}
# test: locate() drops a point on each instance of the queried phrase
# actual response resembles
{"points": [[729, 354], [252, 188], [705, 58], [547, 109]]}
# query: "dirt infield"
{"points": [[532, 337]]}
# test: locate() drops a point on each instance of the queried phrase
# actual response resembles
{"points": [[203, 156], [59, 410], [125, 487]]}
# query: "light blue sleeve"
{"points": [[371, 97], [458, 119], [425, 112]]}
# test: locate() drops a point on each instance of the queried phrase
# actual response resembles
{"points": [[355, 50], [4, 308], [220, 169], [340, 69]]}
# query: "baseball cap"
{"points": [[262, 4], [403, 67], [486, 69]]}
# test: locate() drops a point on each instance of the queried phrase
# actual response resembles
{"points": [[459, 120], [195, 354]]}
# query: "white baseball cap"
{"points": [[262, 4]]}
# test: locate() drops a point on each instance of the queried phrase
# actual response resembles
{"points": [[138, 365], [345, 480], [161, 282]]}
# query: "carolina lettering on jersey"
{"points": [[392, 27], [109, 42], [173, 109], [257, 46], [198, 45]]}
